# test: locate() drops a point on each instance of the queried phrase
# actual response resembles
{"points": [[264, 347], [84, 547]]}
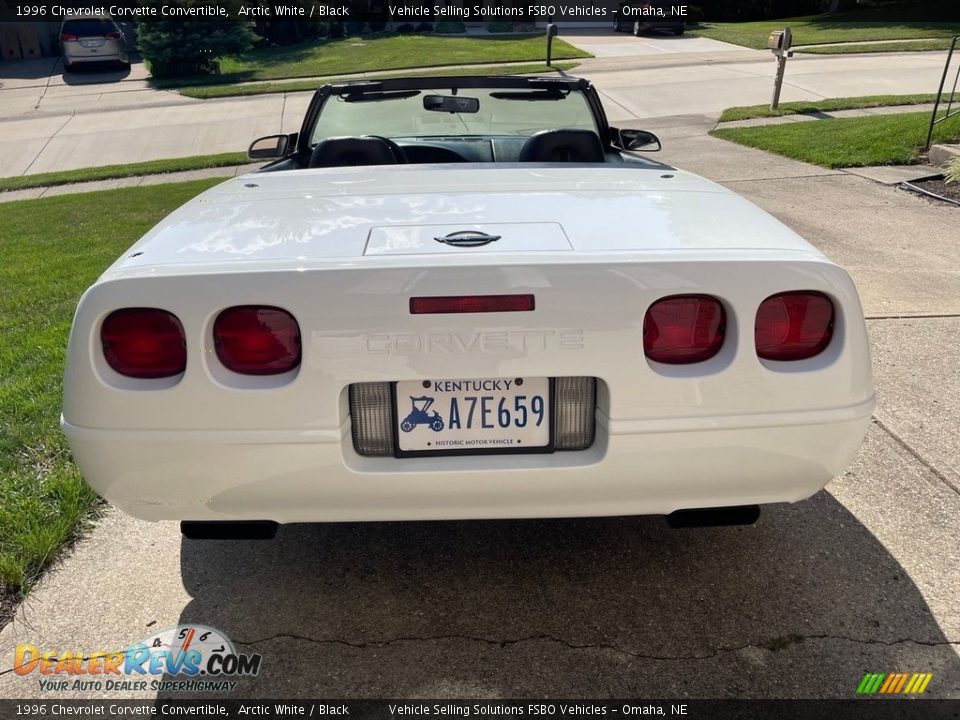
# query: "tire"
{"points": [[678, 32], [437, 425], [407, 426], [617, 27]]}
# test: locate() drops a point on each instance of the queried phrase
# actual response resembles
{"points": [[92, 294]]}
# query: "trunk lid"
{"points": [[307, 218]]}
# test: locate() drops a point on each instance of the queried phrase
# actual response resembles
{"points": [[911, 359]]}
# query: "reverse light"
{"points": [[471, 304], [574, 408], [257, 340], [144, 343], [793, 325], [371, 418], [684, 329]]}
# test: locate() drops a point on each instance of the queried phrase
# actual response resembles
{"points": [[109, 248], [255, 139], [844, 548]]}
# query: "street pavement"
{"points": [[863, 577], [50, 122]]}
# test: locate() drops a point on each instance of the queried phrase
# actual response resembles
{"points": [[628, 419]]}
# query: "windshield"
{"points": [[403, 114]]}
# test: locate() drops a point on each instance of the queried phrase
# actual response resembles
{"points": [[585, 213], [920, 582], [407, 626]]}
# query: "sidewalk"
{"points": [[828, 114], [158, 179]]}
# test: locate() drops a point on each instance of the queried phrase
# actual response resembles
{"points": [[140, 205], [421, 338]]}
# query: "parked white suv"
{"points": [[92, 38]]}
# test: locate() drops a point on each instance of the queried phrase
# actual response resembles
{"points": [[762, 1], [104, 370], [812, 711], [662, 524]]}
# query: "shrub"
{"points": [[315, 28], [354, 28], [405, 28], [336, 31], [425, 27], [500, 26], [450, 27], [952, 173], [175, 48], [377, 26]]}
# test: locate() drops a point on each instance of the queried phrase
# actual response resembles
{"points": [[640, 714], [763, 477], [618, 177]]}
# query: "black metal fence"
{"points": [[936, 117]]}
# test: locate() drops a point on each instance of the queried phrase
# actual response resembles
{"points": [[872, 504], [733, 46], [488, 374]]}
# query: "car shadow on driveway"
{"points": [[96, 73], [801, 604]]}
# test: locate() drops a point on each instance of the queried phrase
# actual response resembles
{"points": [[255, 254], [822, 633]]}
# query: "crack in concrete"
{"points": [[829, 173], [917, 456], [772, 645], [47, 143], [920, 316]]}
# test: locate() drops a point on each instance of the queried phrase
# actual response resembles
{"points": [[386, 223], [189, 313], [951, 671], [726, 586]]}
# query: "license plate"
{"points": [[473, 415], [91, 43]]}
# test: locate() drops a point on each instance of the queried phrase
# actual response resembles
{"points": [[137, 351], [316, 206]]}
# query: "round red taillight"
{"points": [[257, 340], [684, 329], [793, 325], [144, 343]]}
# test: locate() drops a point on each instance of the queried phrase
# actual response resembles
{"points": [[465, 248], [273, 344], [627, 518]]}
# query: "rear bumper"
{"points": [[634, 467], [81, 58]]}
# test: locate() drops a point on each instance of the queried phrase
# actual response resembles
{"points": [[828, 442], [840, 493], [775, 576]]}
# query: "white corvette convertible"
{"points": [[464, 298]]}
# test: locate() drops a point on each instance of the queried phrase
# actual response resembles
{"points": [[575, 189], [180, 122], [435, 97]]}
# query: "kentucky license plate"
{"points": [[473, 415]]}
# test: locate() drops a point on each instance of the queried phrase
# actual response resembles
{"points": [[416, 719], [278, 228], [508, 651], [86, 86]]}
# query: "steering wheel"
{"points": [[397, 151]]}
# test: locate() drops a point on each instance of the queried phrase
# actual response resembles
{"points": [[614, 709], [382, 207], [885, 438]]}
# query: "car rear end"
{"points": [[93, 39], [664, 19], [574, 366]]}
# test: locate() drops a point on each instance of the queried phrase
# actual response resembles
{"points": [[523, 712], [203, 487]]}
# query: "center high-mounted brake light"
{"points": [[257, 340], [471, 304], [684, 329]]}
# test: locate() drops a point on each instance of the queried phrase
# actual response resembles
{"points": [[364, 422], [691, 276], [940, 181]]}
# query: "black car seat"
{"points": [[563, 146], [343, 151]]}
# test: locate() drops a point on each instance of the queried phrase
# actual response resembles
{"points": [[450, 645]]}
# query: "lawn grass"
{"points": [[847, 142], [885, 47], [370, 53], [111, 172], [896, 21], [53, 248], [749, 112], [205, 92]]}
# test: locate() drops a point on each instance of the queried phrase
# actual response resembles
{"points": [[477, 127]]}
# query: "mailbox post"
{"points": [[779, 43], [551, 34]]}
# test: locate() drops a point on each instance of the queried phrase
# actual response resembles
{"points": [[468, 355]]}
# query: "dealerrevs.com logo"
{"points": [[185, 658]]}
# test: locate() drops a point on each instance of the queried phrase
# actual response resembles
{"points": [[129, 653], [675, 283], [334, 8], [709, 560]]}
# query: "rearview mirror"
{"points": [[451, 104], [638, 140], [269, 147]]}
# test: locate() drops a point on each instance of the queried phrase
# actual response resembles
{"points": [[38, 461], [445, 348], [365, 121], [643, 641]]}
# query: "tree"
{"points": [[181, 46]]}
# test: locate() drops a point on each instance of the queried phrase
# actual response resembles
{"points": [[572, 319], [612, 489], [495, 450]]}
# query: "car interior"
{"points": [[475, 120], [563, 145]]}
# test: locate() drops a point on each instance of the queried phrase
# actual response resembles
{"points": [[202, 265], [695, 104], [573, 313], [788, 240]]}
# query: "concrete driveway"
{"points": [[863, 577], [604, 43]]}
